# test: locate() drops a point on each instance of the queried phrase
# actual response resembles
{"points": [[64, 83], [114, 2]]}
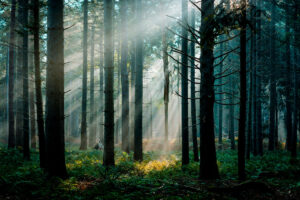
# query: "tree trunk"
{"points": [[38, 87], [193, 96], [18, 79], [55, 91], [243, 94], [138, 116], [259, 66], [33, 141], [11, 68], [26, 152], [101, 106], [166, 81], [92, 134], [124, 78], [108, 158], [208, 160], [231, 116], [273, 95], [184, 85], [288, 103], [83, 144]]}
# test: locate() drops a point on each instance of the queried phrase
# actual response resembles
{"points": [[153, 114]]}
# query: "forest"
{"points": [[149, 99]]}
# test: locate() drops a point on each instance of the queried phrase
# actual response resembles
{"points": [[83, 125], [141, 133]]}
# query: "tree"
{"points": [[11, 68], [138, 116], [108, 158], [184, 85], [208, 160], [243, 93], [83, 144], [55, 91], [18, 78], [92, 134], [38, 87], [167, 81], [273, 95], [288, 78], [26, 153], [193, 96], [101, 95], [124, 78]]}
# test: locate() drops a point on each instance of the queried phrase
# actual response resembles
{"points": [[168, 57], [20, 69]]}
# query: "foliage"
{"points": [[159, 176]]}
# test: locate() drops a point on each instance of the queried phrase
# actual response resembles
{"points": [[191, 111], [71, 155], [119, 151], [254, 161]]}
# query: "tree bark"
{"points": [[38, 83], [124, 78], [273, 95], [11, 68], [138, 116], [184, 85], [208, 160], [55, 91], [108, 158], [193, 96], [92, 134], [243, 94], [83, 144], [26, 152]]}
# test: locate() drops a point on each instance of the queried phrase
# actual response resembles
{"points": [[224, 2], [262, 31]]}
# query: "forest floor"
{"points": [[159, 176]]}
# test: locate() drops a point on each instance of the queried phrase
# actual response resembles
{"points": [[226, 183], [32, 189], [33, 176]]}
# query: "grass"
{"points": [[159, 176]]}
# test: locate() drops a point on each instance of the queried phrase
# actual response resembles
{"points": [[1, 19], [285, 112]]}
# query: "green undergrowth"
{"points": [[159, 176]]}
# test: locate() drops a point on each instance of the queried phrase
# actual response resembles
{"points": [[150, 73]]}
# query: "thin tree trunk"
{"points": [[259, 77], [108, 158], [83, 144], [193, 96], [184, 85], [92, 134], [38, 85], [273, 95], [124, 78], [101, 87], [55, 91], [166, 82], [11, 68], [33, 139], [243, 94], [19, 79], [138, 116], [288, 103], [26, 152]]}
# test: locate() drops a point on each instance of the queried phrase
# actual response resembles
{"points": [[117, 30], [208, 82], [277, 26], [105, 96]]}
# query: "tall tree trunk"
{"points": [[19, 79], [259, 67], [296, 79], [38, 84], [184, 85], [26, 152], [288, 103], [33, 139], [83, 144], [11, 68], [101, 130], [231, 116], [273, 95], [124, 78], [243, 94], [193, 96], [55, 90], [166, 82], [108, 158], [92, 135], [138, 116], [208, 160]]}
